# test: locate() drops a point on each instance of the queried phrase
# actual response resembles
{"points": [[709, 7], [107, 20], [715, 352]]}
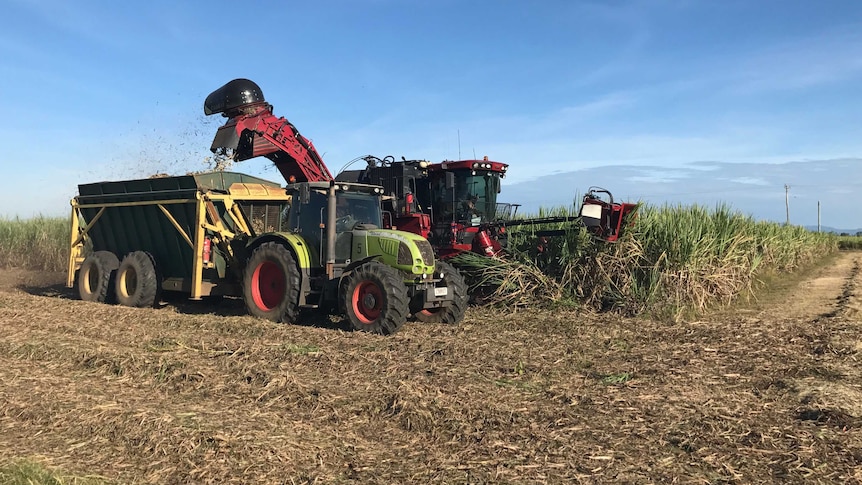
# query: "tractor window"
{"points": [[306, 219], [356, 208]]}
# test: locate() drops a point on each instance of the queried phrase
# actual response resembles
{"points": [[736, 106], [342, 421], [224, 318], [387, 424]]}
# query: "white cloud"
{"points": [[748, 180]]}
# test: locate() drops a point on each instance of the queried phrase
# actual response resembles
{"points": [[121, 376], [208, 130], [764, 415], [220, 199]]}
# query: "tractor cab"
{"points": [[357, 206]]}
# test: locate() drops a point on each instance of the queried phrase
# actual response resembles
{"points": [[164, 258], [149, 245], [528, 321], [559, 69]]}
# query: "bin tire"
{"points": [[96, 277], [453, 313], [137, 282], [270, 287], [374, 298]]}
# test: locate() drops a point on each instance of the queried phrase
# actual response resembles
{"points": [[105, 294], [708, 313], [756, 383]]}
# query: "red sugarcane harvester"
{"points": [[454, 204]]}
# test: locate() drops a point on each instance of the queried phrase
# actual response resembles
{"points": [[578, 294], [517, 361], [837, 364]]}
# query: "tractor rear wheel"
{"points": [[137, 280], [96, 277], [454, 313], [374, 298], [271, 284]]}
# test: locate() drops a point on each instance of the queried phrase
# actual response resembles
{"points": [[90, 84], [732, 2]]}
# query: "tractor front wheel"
{"points": [[374, 298], [454, 313], [271, 284]]}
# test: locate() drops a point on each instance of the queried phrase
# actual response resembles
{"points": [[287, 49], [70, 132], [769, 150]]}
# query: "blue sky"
{"points": [[658, 100]]}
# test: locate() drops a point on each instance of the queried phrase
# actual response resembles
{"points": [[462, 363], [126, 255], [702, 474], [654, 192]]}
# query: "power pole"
{"points": [[818, 216], [787, 202]]}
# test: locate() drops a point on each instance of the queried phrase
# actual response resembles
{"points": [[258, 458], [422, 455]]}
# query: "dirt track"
{"points": [[768, 393]]}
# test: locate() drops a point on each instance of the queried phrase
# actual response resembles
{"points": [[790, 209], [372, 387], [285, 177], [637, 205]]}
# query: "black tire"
{"points": [[453, 313], [137, 282], [96, 277], [374, 298], [270, 286]]}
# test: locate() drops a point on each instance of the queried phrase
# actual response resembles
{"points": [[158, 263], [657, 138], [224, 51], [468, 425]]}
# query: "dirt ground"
{"points": [[199, 392]]}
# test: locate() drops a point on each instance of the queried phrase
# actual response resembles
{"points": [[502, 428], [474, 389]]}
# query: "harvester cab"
{"points": [[466, 191], [463, 200]]}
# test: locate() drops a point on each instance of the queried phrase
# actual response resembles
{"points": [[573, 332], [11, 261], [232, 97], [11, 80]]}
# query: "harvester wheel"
{"points": [[137, 280], [374, 298], [271, 284], [96, 277], [453, 313]]}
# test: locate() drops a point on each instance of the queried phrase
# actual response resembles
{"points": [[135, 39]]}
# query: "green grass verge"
{"points": [[30, 473]]}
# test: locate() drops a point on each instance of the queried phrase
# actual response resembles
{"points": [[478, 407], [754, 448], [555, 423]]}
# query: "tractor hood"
{"points": [[405, 251]]}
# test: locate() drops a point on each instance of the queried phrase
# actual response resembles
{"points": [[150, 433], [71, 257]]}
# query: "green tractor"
{"points": [[333, 254]]}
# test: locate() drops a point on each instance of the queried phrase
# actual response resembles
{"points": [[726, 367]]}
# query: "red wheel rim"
{"points": [[267, 285], [367, 302]]}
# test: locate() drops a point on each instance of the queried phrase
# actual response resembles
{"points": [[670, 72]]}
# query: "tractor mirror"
{"points": [[450, 180]]}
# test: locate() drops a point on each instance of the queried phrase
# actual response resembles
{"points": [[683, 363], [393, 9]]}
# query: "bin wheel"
{"points": [[271, 284], [137, 280], [453, 313], [96, 277], [374, 298]]}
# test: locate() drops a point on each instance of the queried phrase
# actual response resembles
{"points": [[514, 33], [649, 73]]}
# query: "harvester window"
{"points": [[473, 200], [411, 205]]}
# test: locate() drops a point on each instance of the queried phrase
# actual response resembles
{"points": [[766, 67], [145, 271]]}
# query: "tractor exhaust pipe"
{"points": [[331, 217]]}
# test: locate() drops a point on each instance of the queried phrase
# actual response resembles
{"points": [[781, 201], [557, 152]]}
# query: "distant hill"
{"points": [[852, 232]]}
